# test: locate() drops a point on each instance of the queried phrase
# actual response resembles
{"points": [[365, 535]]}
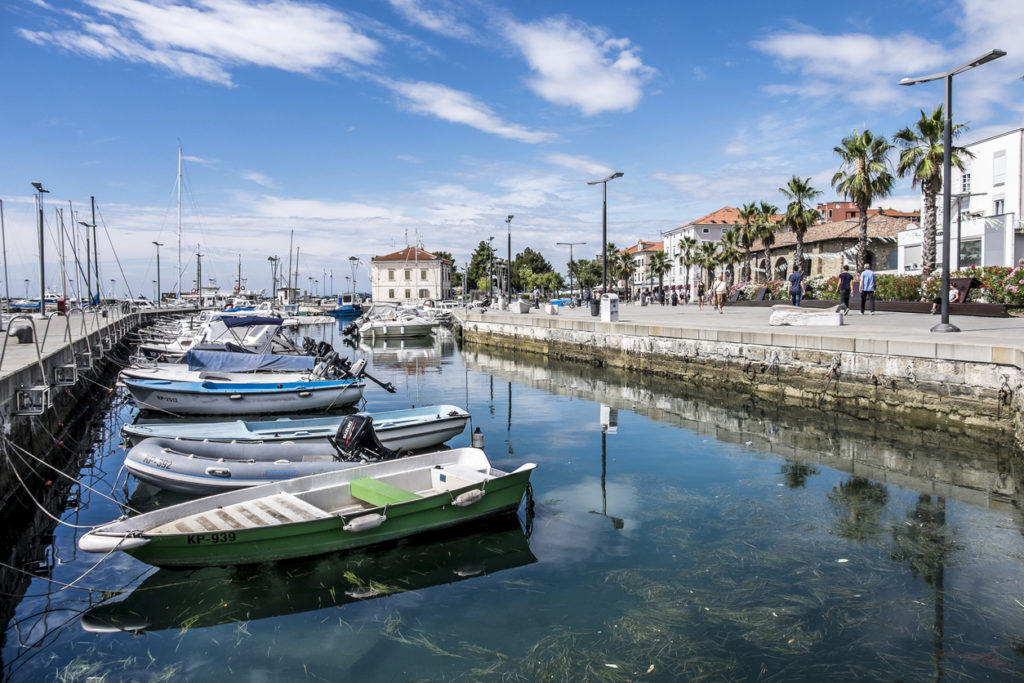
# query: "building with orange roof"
{"points": [[410, 275], [641, 252]]}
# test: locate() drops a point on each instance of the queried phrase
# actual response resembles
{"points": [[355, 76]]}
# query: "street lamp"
{"points": [[947, 145], [354, 263], [156, 292], [26, 288], [490, 267], [570, 245], [42, 270], [508, 281], [604, 229], [158, 297], [274, 260], [113, 293]]}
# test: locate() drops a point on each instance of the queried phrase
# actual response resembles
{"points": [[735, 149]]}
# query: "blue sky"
{"points": [[366, 125]]}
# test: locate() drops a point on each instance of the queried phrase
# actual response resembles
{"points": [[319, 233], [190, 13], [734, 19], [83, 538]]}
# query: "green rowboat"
{"points": [[318, 514]]}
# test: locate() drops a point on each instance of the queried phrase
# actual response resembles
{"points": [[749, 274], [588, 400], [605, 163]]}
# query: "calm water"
{"points": [[677, 536]]}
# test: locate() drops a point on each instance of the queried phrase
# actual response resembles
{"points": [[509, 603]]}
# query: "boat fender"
{"points": [[218, 472], [235, 397], [468, 498], [364, 523], [282, 461]]}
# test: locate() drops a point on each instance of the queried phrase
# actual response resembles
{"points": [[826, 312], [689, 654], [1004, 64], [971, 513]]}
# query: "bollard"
{"points": [[478, 438], [23, 334]]}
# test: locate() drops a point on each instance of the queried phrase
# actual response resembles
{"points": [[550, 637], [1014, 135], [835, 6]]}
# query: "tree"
{"points": [[766, 229], [729, 248], [625, 266], [863, 177], [659, 266], [531, 259], [798, 216], [707, 258], [478, 265], [587, 272], [748, 215], [922, 158], [687, 250]]}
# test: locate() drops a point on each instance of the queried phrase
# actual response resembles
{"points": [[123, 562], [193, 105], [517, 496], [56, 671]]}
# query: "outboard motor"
{"points": [[357, 442]]}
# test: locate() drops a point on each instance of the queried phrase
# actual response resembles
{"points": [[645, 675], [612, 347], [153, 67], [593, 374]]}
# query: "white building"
{"points": [[986, 209], [704, 229], [410, 276]]}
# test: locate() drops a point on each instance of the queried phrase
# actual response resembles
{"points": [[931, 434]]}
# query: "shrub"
{"points": [[898, 287]]}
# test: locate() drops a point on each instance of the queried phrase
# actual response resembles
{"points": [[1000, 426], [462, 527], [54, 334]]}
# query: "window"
{"points": [[423, 274], [998, 206], [912, 257], [391, 294], [408, 274], [424, 293], [706, 230], [830, 213], [999, 168], [970, 253], [407, 292], [391, 275], [965, 182]]}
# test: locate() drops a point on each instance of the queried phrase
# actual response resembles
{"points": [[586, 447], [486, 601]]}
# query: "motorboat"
{"points": [[211, 397]]}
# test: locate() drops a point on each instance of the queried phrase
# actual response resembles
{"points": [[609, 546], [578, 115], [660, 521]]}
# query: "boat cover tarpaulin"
{"points": [[249, 320], [226, 361]]}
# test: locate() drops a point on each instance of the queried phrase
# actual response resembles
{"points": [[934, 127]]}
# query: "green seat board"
{"points": [[379, 493]]}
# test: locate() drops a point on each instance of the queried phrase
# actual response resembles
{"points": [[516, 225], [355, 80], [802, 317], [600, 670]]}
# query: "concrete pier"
{"points": [[887, 366]]}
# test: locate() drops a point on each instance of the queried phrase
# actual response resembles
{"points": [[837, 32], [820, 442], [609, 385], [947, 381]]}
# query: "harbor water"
{"points": [[675, 535]]}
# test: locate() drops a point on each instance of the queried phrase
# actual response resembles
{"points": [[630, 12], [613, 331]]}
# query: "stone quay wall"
{"points": [[960, 388]]}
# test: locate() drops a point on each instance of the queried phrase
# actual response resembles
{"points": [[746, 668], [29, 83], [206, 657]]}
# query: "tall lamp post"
{"points": [[490, 267], [158, 297], [604, 229], [570, 245], [274, 260], [508, 276], [42, 269], [947, 146]]}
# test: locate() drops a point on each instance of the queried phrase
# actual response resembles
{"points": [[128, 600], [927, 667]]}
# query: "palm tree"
{"points": [[799, 191], [687, 247], [748, 235], [659, 266], [707, 259], [611, 257], [729, 253], [766, 229], [625, 267], [863, 177], [921, 159]]}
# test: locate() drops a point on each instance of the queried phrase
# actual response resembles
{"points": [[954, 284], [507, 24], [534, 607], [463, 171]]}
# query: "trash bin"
{"points": [[609, 308], [595, 307]]}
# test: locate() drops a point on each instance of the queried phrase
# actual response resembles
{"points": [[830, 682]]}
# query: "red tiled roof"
{"points": [[644, 246], [408, 254], [878, 226], [727, 216]]}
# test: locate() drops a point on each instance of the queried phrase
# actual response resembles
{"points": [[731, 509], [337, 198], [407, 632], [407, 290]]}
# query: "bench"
{"points": [[379, 493]]}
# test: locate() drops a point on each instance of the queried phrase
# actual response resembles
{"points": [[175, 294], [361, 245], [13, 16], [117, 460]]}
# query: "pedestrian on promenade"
{"points": [[536, 297], [796, 286], [700, 295], [675, 298], [867, 288], [720, 291], [586, 297], [845, 287]]}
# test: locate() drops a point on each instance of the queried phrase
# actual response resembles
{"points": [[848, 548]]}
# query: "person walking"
{"points": [[700, 295], [536, 297], [845, 287], [867, 288], [720, 291], [796, 286]]}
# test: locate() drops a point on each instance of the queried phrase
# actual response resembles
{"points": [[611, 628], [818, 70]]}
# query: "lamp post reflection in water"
{"points": [[609, 425]]}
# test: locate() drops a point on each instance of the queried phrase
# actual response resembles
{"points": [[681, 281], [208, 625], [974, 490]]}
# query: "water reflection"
{"points": [[189, 599]]}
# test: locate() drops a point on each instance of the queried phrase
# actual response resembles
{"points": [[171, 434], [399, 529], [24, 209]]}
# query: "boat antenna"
{"points": [[179, 226], [3, 235]]}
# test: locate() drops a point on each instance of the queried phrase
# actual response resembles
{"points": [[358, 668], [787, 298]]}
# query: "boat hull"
{"points": [[187, 398], [206, 532]]}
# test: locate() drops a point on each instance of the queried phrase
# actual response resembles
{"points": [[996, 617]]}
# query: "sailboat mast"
{"points": [[239, 275], [179, 224], [3, 235], [63, 261], [95, 249], [288, 294]]}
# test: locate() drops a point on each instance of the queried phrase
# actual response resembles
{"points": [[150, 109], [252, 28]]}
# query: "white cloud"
{"points": [[456, 106], [203, 39], [861, 68], [443, 18], [581, 164], [259, 179], [699, 74], [580, 66]]}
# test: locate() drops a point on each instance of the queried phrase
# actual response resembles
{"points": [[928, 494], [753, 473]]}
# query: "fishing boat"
{"points": [[203, 467], [228, 366], [408, 429], [209, 397], [209, 596], [230, 332], [322, 513], [348, 307], [385, 321]]}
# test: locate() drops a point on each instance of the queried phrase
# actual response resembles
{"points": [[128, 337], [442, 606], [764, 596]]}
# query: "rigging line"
{"points": [[7, 441], [114, 591], [124, 278]]}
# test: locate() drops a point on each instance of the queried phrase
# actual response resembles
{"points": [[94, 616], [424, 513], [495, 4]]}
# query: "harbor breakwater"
{"points": [[951, 384]]}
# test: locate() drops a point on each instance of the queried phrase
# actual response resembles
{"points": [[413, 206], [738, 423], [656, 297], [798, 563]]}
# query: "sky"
{"points": [[360, 127]]}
